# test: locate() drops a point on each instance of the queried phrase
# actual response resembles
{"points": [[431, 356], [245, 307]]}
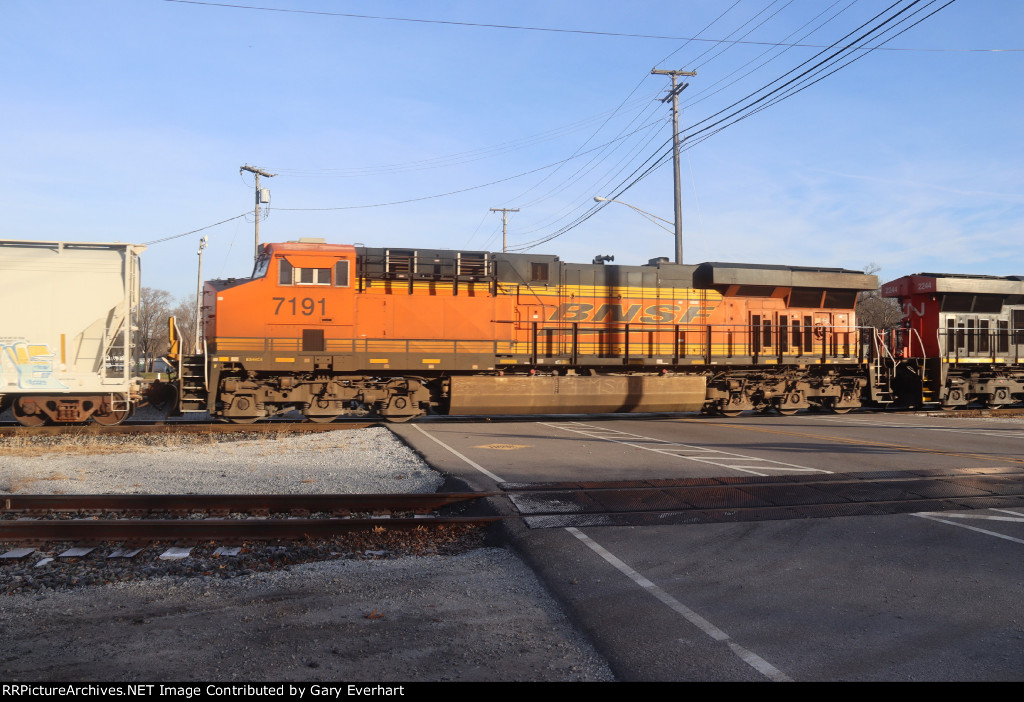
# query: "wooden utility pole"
{"points": [[673, 95], [256, 212], [504, 225]]}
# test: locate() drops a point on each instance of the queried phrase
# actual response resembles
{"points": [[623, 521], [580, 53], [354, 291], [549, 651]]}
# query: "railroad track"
{"points": [[195, 518], [751, 499], [184, 427], [35, 518], [273, 426]]}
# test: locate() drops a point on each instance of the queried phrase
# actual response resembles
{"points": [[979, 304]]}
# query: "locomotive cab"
{"points": [[962, 338]]}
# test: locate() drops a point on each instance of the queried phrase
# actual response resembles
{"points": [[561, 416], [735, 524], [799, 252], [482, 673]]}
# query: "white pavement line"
{"points": [[669, 448], [1008, 511], [978, 431], [956, 515], [965, 526], [476, 465], [750, 658]]}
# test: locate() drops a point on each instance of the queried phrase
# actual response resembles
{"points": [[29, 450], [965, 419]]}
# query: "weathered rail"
{"points": [[206, 427], [33, 518]]}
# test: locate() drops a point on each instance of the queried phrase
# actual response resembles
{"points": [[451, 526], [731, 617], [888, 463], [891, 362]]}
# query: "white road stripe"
{"points": [[750, 658], [956, 515], [479, 467], [979, 431], [925, 515], [700, 454]]}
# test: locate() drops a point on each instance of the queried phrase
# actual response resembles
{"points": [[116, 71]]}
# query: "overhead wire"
{"points": [[208, 226], [438, 195], [709, 130], [703, 93], [705, 128], [455, 159], [556, 30], [636, 117]]}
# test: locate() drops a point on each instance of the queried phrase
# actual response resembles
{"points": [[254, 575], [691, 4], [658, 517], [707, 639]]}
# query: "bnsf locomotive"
{"points": [[330, 330]]}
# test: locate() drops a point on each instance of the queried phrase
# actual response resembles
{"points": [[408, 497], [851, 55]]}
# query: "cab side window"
{"points": [[287, 274]]}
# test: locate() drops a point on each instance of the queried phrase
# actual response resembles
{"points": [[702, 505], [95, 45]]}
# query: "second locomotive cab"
{"points": [[330, 329]]}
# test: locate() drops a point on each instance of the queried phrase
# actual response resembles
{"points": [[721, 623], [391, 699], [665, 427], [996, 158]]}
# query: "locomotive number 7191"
{"points": [[306, 305]]}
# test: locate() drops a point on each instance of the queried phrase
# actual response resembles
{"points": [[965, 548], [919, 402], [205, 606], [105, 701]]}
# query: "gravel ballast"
{"points": [[330, 611]]}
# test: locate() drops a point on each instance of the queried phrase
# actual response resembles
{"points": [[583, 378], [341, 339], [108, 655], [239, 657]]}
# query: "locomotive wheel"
{"points": [[27, 416], [110, 417]]}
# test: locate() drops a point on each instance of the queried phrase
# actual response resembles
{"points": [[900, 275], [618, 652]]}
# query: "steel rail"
{"points": [[265, 427], [400, 502], [190, 530]]}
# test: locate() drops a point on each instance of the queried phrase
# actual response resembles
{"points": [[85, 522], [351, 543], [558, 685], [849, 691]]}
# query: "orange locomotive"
{"points": [[335, 329]]}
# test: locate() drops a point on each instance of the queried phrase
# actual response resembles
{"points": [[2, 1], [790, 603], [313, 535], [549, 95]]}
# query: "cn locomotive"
{"points": [[330, 330]]}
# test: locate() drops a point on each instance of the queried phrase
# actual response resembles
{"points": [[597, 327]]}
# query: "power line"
{"points": [[461, 190], [208, 226], [788, 89], [556, 30]]}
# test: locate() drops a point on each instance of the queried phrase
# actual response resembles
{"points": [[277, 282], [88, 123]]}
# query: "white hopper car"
{"points": [[67, 318]]}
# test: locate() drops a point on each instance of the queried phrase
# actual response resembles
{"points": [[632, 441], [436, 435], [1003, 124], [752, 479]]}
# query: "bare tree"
{"points": [[151, 338], [185, 319], [876, 311]]}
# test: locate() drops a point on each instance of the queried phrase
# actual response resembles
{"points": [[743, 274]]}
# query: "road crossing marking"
{"points": [[934, 516], [700, 454], [749, 657], [928, 427]]}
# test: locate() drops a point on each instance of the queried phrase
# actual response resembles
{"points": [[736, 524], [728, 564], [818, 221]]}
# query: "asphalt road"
{"points": [[926, 596]]}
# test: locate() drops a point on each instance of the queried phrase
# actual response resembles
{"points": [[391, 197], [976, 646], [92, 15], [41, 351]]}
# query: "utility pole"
{"points": [[259, 200], [504, 225], [673, 95]]}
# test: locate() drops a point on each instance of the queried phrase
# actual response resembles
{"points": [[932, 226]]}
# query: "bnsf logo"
{"points": [[654, 314]]}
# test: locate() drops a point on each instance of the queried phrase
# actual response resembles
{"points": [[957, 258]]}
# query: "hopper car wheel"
{"points": [[26, 415], [399, 420], [321, 418], [994, 405], [242, 420], [112, 417], [786, 411], [840, 410], [729, 413]]}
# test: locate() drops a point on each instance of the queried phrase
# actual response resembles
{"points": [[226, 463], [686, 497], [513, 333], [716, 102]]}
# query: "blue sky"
{"points": [[128, 120]]}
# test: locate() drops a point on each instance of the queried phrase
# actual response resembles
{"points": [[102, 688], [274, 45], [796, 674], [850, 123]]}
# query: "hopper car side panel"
{"points": [[66, 355]]}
